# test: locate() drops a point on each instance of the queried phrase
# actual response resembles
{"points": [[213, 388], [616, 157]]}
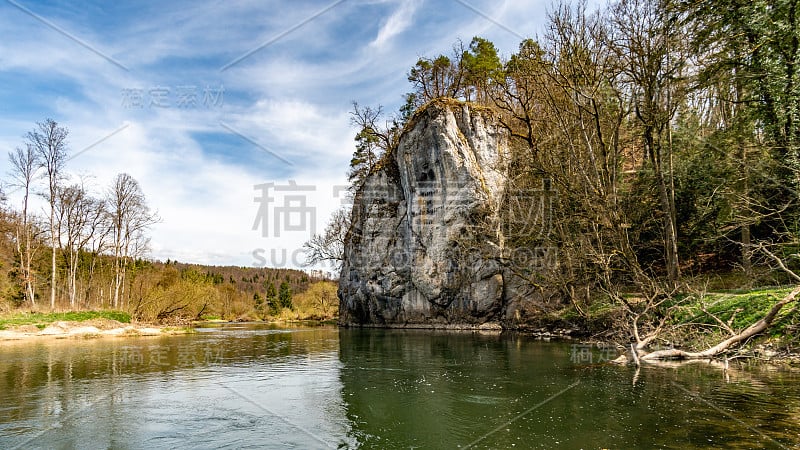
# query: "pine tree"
{"points": [[272, 298], [364, 157], [285, 296]]}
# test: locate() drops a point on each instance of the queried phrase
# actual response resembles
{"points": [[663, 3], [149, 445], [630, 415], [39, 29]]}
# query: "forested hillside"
{"points": [[89, 250]]}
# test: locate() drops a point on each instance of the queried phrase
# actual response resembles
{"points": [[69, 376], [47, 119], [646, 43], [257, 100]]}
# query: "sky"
{"points": [[232, 115]]}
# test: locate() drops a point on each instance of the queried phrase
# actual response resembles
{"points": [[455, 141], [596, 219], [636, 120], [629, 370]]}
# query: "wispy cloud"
{"points": [[292, 96], [398, 22]]}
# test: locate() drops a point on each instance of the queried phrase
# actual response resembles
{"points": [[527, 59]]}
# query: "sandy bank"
{"points": [[93, 328]]}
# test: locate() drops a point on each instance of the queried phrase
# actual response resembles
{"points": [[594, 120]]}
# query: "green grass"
{"points": [[738, 308], [42, 319]]}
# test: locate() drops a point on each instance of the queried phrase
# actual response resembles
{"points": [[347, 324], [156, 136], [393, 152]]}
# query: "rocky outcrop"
{"points": [[425, 236]]}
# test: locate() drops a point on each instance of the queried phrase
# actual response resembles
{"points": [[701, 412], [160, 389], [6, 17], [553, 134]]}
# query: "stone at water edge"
{"points": [[84, 331], [55, 328], [148, 331]]}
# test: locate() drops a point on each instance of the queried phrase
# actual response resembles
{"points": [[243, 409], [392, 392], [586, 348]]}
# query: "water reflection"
{"points": [[407, 389], [239, 386], [255, 386]]}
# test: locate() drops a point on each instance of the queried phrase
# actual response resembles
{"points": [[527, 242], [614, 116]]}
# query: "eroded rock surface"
{"points": [[426, 233]]}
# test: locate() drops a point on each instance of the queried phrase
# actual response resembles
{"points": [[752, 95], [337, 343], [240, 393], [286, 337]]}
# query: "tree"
{"points": [[285, 295], [482, 68], [372, 140], [748, 78], [24, 167], [762, 53], [329, 246], [130, 217], [271, 298], [79, 218], [258, 303], [49, 142], [520, 93], [736, 337], [176, 296], [96, 230], [323, 297], [648, 46], [438, 77]]}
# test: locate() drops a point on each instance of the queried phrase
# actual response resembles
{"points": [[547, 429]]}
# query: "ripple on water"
{"points": [[266, 388]]}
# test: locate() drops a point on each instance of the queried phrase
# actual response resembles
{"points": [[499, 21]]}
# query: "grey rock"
{"points": [[426, 237]]}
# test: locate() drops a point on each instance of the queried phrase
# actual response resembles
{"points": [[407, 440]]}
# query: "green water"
{"points": [[255, 386]]}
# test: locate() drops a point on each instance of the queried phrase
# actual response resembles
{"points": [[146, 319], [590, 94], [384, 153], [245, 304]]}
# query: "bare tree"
{"points": [[78, 215], [49, 142], [329, 246], [736, 337], [129, 216], [97, 230], [649, 50], [372, 140], [24, 168]]}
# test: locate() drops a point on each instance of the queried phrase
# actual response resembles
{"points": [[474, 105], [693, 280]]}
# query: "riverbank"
{"points": [[689, 323], [77, 324]]}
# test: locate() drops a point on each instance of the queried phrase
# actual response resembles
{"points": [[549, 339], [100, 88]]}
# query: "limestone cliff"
{"points": [[425, 236]]}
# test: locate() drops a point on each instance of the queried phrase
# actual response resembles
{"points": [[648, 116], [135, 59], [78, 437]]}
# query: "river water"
{"points": [[258, 386]]}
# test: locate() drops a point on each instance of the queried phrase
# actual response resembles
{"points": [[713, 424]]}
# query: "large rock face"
{"points": [[422, 249]]}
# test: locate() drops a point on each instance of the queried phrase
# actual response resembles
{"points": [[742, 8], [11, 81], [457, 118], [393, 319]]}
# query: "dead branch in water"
{"points": [[748, 332]]}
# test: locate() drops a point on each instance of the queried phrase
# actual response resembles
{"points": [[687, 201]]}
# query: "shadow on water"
{"points": [[419, 389]]}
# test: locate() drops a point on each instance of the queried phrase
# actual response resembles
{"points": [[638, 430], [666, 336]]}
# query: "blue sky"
{"points": [[200, 101]]}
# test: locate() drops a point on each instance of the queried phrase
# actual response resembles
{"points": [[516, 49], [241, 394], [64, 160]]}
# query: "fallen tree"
{"points": [[638, 353], [754, 329]]}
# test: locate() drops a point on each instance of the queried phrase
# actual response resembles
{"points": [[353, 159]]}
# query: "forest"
{"points": [[665, 136], [89, 251]]}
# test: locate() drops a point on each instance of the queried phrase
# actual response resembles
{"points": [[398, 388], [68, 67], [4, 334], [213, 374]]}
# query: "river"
{"points": [[261, 386]]}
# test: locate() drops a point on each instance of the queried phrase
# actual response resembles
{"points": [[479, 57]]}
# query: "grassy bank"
{"points": [[697, 321], [705, 320], [41, 319]]}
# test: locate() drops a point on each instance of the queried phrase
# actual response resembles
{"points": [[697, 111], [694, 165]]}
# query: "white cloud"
{"points": [[397, 23], [292, 97]]}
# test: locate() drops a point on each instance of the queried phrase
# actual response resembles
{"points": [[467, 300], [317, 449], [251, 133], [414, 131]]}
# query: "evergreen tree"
{"points": [[258, 301], [364, 157], [285, 296], [481, 66], [271, 298]]}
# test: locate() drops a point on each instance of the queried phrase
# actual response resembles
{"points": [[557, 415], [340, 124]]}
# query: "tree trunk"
{"points": [[72, 280], [29, 285], [53, 255], [747, 264], [667, 206], [749, 332]]}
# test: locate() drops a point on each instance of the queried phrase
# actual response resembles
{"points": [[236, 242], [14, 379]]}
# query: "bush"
{"points": [[180, 301]]}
